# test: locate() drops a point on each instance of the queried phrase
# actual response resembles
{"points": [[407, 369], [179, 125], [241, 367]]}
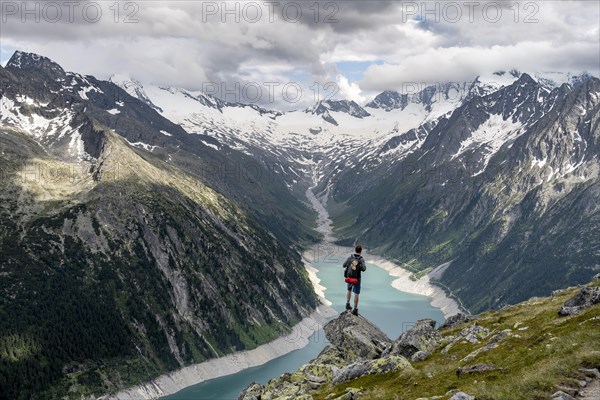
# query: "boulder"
{"points": [[456, 319], [474, 333], [252, 392], [356, 338], [422, 337], [560, 395], [587, 297], [569, 390], [321, 368], [462, 396], [472, 369], [590, 372], [420, 356], [276, 388], [370, 367], [596, 278]]}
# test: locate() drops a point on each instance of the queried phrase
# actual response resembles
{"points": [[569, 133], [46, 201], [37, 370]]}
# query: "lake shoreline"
{"points": [[175, 381], [423, 286]]}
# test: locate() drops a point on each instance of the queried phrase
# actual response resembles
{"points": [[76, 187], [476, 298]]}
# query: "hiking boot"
{"points": [[355, 311], [348, 306]]}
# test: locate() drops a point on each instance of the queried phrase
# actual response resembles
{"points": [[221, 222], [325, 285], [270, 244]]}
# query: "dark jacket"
{"points": [[361, 263]]}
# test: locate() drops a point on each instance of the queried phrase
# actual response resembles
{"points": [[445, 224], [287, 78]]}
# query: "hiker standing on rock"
{"points": [[354, 265]]}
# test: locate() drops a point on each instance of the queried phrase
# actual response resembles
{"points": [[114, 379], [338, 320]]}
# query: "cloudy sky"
{"points": [[353, 49]]}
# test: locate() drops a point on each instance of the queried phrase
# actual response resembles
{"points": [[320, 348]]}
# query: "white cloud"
{"points": [[177, 44], [463, 64], [349, 91]]}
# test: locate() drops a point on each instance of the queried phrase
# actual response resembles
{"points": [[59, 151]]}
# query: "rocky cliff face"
{"points": [[542, 348]]}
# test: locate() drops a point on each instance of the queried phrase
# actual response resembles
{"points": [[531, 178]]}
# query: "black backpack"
{"points": [[352, 269]]}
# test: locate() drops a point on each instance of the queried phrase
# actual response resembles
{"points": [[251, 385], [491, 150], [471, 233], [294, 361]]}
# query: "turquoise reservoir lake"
{"points": [[393, 311]]}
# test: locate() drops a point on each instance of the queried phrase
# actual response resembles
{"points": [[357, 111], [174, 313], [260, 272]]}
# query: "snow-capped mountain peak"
{"points": [[30, 61], [133, 87], [389, 100], [552, 80], [324, 108]]}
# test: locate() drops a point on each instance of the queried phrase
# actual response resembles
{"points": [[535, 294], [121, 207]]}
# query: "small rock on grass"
{"points": [[591, 372], [462, 396], [560, 395], [471, 369], [587, 297]]}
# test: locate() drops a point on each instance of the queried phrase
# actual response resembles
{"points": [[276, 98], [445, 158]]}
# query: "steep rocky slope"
{"points": [[118, 263], [53, 105]]}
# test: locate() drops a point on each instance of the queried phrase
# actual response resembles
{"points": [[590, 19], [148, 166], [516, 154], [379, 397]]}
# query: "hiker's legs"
{"points": [[356, 290], [353, 288], [348, 298]]}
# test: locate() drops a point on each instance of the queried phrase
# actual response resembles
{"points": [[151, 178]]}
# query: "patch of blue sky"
{"points": [[354, 70]]}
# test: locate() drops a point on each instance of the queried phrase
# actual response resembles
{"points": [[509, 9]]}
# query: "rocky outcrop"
{"points": [[456, 319], [358, 348], [371, 367], [472, 334], [492, 344], [417, 342], [474, 348], [560, 395], [587, 297], [462, 396], [357, 338]]}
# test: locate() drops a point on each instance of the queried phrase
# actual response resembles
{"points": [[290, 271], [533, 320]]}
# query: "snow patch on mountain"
{"points": [[133, 87], [489, 137], [493, 133], [142, 145], [214, 146], [50, 132]]}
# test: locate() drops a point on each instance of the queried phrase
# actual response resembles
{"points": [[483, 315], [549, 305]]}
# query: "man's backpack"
{"points": [[352, 269]]}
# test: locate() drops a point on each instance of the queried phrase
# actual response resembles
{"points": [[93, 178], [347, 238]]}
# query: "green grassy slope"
{"points": [[544, 352]]}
